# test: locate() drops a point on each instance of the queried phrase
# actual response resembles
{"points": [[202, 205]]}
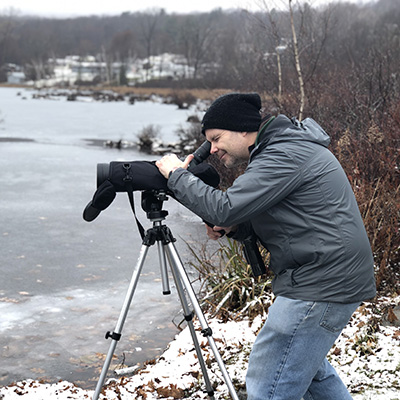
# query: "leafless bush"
{"points": [[190, 137], [146, 138], [182, 99], [372, 166]]}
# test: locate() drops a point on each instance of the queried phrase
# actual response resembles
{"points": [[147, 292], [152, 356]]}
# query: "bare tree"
{"points": [[123, 45], [39, 68], [271, 29], [304, 33], [149, 23], [7, 23], [197, 35], [297, 63]]}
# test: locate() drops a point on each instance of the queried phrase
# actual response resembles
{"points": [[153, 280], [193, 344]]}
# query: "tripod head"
{"points": [[152, 202]]}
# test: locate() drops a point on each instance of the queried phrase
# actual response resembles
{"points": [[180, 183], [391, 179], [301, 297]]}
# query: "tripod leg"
{"points": [[163, 267], [116, 335], [206, 330], [188, 314]]}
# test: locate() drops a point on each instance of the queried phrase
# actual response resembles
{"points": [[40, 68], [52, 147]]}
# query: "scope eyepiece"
{"points": [[201, 154]]}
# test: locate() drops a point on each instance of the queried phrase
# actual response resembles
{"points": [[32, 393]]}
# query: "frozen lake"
{"points": [[63, 280]]}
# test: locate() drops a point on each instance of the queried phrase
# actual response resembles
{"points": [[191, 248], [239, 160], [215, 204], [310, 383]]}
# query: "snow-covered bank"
{"points": [[367, 357]]}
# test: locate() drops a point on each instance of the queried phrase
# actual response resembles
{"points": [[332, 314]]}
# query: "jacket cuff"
{"points": [[172, 170]]}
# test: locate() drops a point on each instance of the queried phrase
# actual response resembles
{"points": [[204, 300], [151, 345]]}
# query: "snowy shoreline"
{"points": [[366, 356]]}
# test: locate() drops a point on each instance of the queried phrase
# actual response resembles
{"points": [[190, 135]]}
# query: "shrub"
{"points": [[190, 138], [146, 138], [231, 289], [182, 99], [371, 164]]}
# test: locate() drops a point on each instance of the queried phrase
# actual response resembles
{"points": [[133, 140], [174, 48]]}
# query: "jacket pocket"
{"points": [[287, 276], [282, 259]]}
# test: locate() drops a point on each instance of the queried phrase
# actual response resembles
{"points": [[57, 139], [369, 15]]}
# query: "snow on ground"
{"points": [[367, 357]]}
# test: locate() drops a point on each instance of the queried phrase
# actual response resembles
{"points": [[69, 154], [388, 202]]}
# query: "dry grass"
{"points": [[202, 94]]}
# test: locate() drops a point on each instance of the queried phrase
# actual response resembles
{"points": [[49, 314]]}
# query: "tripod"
{"points": [[161, 234]]}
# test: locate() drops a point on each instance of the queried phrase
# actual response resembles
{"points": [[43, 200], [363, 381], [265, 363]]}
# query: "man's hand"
{"points": [[171, 162], [216, 233]]}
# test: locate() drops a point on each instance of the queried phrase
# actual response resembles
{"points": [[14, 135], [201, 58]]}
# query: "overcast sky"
{"points": [[113, 7], [72, 8]]}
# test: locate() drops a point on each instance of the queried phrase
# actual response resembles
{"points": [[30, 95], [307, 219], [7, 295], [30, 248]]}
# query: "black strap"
{"points": [[130, 196], [129, 188]]}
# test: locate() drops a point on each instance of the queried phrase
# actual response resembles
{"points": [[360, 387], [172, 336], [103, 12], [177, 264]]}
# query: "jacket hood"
{"points": [[283, 129]]}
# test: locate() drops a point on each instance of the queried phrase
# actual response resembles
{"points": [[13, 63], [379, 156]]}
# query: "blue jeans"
{"points": [[288, 359]]}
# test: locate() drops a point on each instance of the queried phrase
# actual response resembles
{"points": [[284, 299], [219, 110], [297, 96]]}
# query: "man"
{"points": [[295, 197]]}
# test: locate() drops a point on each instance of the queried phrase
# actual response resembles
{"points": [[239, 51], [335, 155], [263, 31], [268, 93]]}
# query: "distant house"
{"points": [[15, 77]]}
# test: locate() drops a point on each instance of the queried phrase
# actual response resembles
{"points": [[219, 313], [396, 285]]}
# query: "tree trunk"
{"points": [[297, 62]]}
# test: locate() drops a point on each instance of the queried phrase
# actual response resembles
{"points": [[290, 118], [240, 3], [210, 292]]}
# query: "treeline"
{"points": [[226, 49], [338, 64]]}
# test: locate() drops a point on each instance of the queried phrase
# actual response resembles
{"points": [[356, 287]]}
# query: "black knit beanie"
{"points": [[239, 112]]}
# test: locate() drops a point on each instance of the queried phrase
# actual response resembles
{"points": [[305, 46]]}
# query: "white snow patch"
{"points": [[366, 356]]}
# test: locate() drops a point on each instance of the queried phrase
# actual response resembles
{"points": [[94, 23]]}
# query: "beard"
{"points": [[232, 162]]}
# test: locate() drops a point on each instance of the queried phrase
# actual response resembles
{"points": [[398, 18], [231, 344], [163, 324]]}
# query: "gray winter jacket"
{"points": [[297, 199]]}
